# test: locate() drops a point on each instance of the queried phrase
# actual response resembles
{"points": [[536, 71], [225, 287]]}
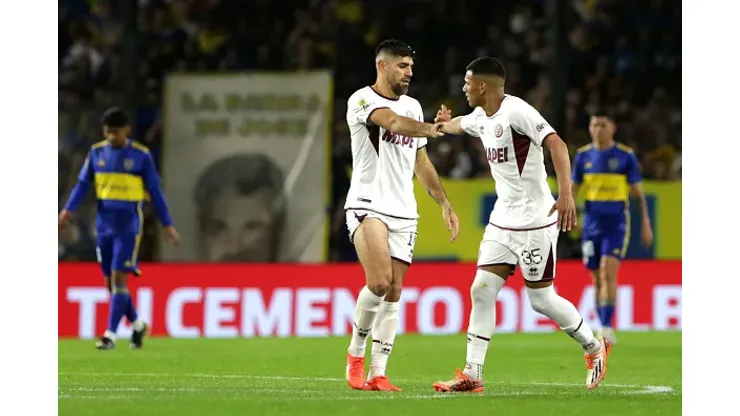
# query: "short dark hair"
{"points": [[487, 66], [395, 47], [115, 117], [600, 112]]}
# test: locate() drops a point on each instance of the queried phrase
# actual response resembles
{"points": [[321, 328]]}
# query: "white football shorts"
{"points": [[402, 232], [533, 250]]}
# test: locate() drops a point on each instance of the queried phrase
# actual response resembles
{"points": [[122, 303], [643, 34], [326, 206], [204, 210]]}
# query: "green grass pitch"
{"points": [[525, 374]]}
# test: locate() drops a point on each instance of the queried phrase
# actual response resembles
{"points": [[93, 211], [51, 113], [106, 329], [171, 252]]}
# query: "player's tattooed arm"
{"points": [[405, 126], [427, 174]]}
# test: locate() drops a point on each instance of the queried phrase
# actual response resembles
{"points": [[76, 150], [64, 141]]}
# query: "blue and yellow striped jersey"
{"points": [[605, 176], [123, 178]]}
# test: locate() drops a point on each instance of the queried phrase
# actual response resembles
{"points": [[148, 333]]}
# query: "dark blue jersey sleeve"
{"points": [[577, 176], [152, 185], [633, 169], [85, 180]]}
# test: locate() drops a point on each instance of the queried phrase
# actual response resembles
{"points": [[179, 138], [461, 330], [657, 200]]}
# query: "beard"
{"points": [[399, 89]]}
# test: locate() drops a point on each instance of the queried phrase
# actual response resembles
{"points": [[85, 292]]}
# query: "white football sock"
{"points": [[365, 312], [384, 334], [137, 325], [547, 302], [483, 293], [110, 335]]}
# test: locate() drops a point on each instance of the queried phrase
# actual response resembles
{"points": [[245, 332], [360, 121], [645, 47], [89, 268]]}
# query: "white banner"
{"points": [[245, 166]]}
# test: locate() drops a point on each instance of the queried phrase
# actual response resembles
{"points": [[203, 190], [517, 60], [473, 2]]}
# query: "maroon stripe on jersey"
{"points": [[549, 273], [521, 148], [401, 261], [523, 229], [381, 95], [378, 212], [374, 137]]}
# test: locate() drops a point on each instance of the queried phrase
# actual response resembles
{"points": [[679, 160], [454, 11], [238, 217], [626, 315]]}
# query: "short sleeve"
{"points": [[633, 169], [469, 123], [420, 141], [526, 120], [360, 105]]}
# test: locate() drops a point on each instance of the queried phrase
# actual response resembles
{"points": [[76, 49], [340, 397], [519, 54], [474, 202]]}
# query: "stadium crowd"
{"points": [[622, 56]]}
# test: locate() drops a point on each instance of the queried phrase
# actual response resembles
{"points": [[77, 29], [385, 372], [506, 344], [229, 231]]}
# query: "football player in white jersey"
{"points": [[388, 148], [525, 222]]}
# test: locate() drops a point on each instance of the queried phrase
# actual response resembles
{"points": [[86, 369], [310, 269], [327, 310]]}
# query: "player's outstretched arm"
{"points": [[405, 126], [429, 178], [453, 127], [153, 187], [80, 190], [450, 125]]}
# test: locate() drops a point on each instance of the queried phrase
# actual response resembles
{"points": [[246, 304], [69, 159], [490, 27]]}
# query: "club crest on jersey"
{"points": [[498, 131], [613, 164], [128, 164], [397, 139]]}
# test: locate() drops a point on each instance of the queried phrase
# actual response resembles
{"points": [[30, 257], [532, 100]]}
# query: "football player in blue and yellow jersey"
{"points": [[607, 172], [124, 176]]}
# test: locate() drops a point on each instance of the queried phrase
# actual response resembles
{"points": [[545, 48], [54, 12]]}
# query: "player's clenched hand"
{"points": [[170, 233], [64, 218], [443, 115], [451, 222], [435, 130], [566, 208]]}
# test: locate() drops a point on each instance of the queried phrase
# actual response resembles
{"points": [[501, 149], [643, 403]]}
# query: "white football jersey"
{"points": [[382, 162], [512, 138]]}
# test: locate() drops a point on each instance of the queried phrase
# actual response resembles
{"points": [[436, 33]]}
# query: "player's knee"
{"points": [[478, 294], [379, 283], [599, 275], [541, 298], [394, 293], [118, 280], [483, 290]]}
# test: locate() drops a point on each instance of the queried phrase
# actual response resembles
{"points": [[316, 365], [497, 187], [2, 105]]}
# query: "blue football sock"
{"points": [[601, 311], [118, 306], [131, 314], [606, 321]]}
